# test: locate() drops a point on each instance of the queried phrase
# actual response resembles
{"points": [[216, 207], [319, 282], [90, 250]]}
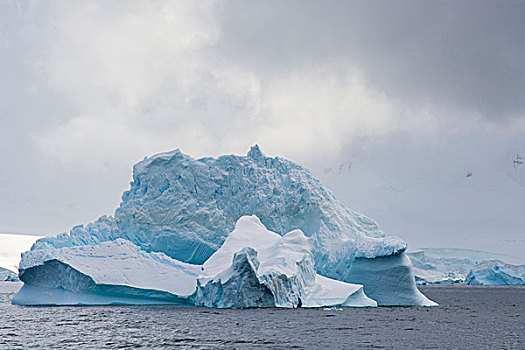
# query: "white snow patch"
{"points": [[284, 264]]}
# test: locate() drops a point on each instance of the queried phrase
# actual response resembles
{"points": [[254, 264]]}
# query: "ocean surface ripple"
{"points": [[471, 317]]}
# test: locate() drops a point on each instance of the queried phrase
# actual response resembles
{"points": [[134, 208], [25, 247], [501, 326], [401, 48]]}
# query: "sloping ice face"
{"points": [[185, 208], [112, 272]]}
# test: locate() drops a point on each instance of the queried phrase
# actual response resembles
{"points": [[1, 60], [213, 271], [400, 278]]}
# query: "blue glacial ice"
{"points": [[185, 208]]}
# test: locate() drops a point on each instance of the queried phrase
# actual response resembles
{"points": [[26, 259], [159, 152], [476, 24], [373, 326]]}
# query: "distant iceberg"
{"points": [[8, 276], [184, 209], [496, 274], [449, 265]]}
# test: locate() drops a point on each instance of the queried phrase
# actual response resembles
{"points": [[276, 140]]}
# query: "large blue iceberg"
{"points": [[186, 208]]}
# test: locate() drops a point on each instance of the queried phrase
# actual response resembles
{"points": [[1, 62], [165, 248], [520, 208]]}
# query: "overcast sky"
{"points": [[391, 103]]}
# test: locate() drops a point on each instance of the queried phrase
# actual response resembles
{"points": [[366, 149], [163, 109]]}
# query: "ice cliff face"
{"points": [[185, 208], [238, 286], [278, 271]]}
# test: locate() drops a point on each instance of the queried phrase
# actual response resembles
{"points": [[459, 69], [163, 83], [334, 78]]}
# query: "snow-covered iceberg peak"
{"points": [[273, 251], [256, 153], [256, 267]]}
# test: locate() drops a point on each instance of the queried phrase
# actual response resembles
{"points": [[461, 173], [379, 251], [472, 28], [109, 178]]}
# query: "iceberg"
{"points": [[452, 265], [185, 208], [496, 273], [8, 276], [272, 271]]}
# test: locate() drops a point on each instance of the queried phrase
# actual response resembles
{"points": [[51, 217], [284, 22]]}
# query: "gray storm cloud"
{"points": [[466, 56]]}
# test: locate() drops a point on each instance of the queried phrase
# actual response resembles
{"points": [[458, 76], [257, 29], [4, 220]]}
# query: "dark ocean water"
{"points": [[468, 318]]}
